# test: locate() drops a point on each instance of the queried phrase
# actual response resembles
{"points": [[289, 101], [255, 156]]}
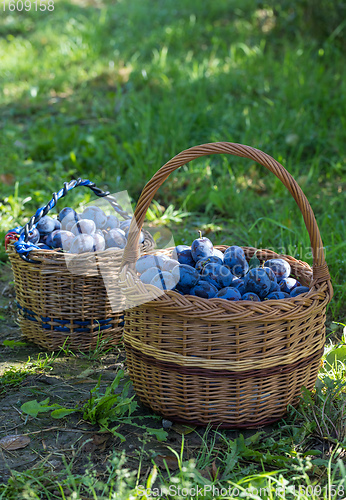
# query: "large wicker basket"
{"points": [[65, 299], [233, 364]]}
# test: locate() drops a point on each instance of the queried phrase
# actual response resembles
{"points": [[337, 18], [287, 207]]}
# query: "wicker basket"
{"points": [[211, 361], [57, 307]]}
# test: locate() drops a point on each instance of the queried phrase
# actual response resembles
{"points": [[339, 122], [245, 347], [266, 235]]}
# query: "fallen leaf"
{"points": [[14, 442], [98, 441], [214, 470], [183, 429], [171, 461], [100, 438]]}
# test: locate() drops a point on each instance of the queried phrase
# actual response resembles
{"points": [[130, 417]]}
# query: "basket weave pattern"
{"points": [[234, 364], [202, 398], [57, 306], [258, 359]]}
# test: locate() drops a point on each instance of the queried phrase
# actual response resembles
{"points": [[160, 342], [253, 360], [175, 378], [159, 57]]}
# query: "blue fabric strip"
{"points": [[97, 325]]}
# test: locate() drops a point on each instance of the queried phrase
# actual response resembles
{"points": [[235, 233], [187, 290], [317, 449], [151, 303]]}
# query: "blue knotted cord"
{"points": [[23, 247]]}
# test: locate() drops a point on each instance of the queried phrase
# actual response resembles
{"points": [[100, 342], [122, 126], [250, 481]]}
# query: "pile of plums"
{"points": [[206, 272], [90, 231]]}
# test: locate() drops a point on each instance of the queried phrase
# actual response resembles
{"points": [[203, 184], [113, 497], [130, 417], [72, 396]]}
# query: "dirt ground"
{"points": [[68, 381]]}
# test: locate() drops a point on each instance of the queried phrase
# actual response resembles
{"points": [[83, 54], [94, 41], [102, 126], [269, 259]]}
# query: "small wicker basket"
{"points": [[57, 307], [211, 361]]}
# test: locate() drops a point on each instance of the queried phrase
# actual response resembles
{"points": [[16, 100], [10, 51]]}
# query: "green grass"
{"points": [[110, 91], [284, 462], [13, 376]]}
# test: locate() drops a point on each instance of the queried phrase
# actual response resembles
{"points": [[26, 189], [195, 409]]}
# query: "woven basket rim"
{"points": [[317, 297], [60, 256]]}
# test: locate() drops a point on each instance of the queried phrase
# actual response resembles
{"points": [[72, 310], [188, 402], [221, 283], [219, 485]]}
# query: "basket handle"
{"points": [[23, 247], [131, 252]]}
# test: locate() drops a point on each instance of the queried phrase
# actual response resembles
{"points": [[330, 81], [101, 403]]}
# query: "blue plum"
{"points": [[234, 258], [182, 253], [178, 249], [83, 226], [219, 274], [43, 238], [57, 224], [239, 285], [229, 293], [141, 235], [210, 273], [95, 214], [201, 247], [34, 236], [299, 290], [234, 251], [288, 284], [257, 281], [112, 222], [45, 225], [115, 238], [237, 282], [186, 277], [224, 277], [169, 265], [49, 239], [125, 224], [276, 288], [251, 296], [69, 225], [281, 268], [201, 263], [147, 261], [204, 289], [63, 239], [272, 278], [185, 257], [165, 258], [67, 212], [99, 242], [277, 296], [66, 215], [218, 253], [149, 274], [164, 281], [82, 243]]}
